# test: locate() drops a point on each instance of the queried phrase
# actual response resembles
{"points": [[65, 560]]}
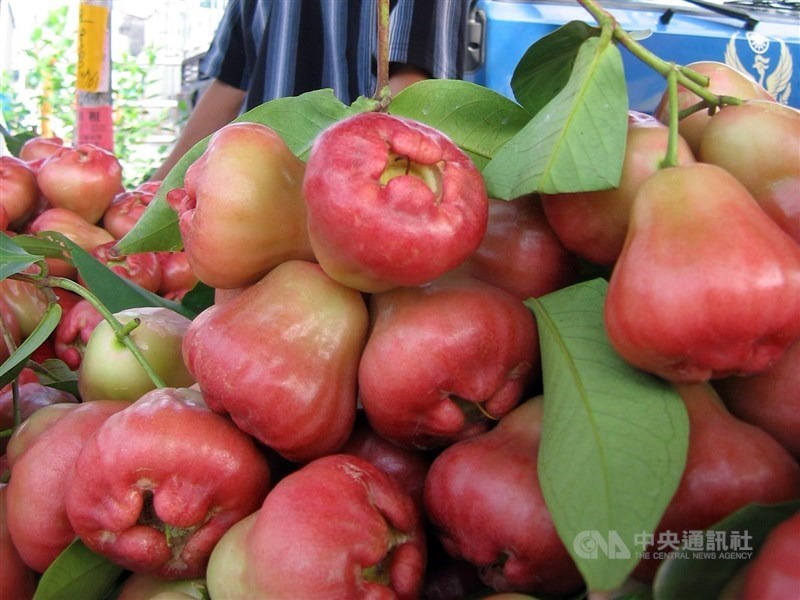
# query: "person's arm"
{"points": [[401, 76], [217, 106]]}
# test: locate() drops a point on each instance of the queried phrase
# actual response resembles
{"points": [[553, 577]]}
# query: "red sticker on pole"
{"points": [[96, 126]]}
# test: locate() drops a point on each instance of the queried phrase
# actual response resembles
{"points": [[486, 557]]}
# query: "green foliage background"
{"points": [[49, 98]]}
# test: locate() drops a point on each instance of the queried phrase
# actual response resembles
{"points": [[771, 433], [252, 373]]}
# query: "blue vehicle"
{"points": [[761, 37]]}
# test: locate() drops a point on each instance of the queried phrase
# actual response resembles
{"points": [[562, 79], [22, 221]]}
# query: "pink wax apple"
{"points": [[37, 516], [156, 487], [444, 360], [125, 211], [483, 497], [84, 179], [408, 467], [338, 527], [17, 580], [19, 192], [521, 252], [281, 358], [391, 202], [40, 148], [32, 396]]}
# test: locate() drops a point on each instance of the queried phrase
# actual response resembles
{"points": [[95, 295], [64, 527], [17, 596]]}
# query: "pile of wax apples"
{"points": [[358, 413], [77, 192]]}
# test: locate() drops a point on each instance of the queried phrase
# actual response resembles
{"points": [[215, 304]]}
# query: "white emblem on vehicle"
{"points": [[777, 81]]}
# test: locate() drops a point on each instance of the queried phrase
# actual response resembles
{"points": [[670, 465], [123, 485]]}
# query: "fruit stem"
{"points": [[671, 159], [688, 78], [122, 332], [383, 93]]}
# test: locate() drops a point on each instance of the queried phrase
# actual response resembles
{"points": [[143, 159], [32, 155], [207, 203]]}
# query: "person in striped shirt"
{"points": [[266, 49]]}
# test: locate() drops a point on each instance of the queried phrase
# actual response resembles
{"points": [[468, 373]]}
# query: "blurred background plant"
{"points": [[39, 97]]}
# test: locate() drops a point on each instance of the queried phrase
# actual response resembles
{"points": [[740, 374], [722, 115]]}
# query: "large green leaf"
{"points": [[577, 142], [78, 573], [50, 244], [545, 68], [115, 292], [13, 258], [477, 119], [614, 439], [297, 119], [16, 362], [704, 574]]}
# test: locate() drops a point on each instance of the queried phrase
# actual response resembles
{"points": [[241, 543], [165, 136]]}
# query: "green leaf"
{"points": [[545, 68], [199, 298], [297, 119], [16, 362], [78, 573], [115, 292], [300, 119], [477, 119], [13, 258], [696, 575], [56, 374], [577, 142], [49, 244], [14, 142], [614, 438]]}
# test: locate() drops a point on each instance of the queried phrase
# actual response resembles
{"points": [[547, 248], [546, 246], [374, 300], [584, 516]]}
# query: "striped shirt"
{"points": [[278, 48]]}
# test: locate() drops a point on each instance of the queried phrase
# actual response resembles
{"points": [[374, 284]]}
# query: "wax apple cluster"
{"points": [[76, 191], [359, 413]]}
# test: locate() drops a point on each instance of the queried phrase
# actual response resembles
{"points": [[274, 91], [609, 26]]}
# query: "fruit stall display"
{"points": [[439, 345]]}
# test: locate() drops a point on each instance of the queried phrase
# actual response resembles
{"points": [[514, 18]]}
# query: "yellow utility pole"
{"points": [[95, 122]]}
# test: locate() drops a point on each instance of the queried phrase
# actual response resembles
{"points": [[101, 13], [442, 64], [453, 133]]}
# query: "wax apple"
{"points": [[293, 385], [729, 464], [83, 179], [149, 187], [125, 210], [594, 224], [109, 369], [391, 202], [447, 577], [31, 428], [707, 285], [723, 80], [146, 587], [769, 400], [19, 192], [160, 482], [775, 570], [74, 227], [758, 142], [27, 302], [32, 396], [73, 332], [40, 148], [243, 213], [142, 268], [483, 497], [408, 467], [445, 360], [336, 528], [520, 252], [37, 518], [177, 276], [17, 580], [9, 326]]}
